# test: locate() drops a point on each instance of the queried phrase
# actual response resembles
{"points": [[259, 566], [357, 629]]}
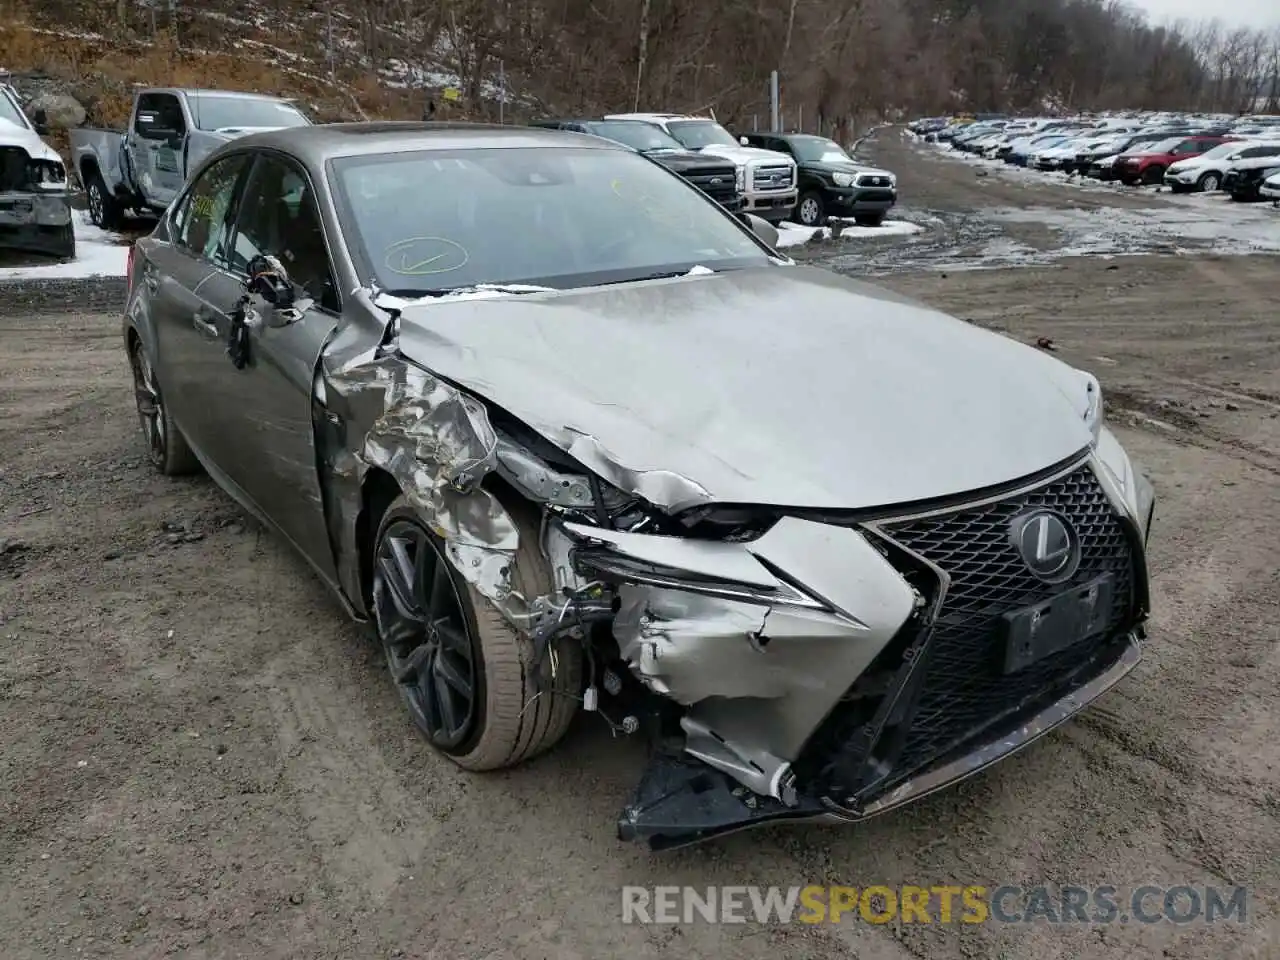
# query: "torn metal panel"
{"points": [[438, 444], [758, 678]]}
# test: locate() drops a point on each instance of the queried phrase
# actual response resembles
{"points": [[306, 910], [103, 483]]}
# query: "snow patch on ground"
{"points": [[793, 234], [98, 254]]}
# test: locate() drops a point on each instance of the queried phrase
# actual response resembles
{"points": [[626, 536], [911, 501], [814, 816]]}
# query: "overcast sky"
{"points": [[1251, 13]]}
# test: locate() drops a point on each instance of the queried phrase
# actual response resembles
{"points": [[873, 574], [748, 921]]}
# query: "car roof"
{"points": [[325, 141], [210, 92]]}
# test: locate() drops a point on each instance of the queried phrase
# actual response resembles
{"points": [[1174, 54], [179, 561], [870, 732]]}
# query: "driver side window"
{"points": [[159, 117], [279, 217], [201, 223]]}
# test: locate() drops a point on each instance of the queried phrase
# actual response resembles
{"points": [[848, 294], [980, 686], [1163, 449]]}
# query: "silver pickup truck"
{"points": [[170, 131]]}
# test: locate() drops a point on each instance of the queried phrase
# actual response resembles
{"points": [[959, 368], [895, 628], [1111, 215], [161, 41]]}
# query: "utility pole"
{"points": [[502, 91], [328, 36], [773, 99]]}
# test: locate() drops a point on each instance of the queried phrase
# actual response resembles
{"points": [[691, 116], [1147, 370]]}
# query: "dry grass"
{"points": [[103, 72]]}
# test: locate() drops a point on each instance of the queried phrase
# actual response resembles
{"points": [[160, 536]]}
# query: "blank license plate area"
{"points": [[17, 208], [1036, 632]]}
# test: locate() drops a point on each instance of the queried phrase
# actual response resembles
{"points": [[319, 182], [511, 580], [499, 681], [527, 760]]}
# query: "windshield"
{"points": [[635, 134], [216, 112], [818, 150], [696, 134], [598, 216], [1221, 150], [1160, 146], [11, 112]]}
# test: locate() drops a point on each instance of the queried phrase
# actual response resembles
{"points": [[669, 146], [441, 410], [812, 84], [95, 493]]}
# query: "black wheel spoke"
{"points": [[453, 639], [425, 630], [397, 587], [410, 669], [448, 715], [448, 671], [436, 590]]}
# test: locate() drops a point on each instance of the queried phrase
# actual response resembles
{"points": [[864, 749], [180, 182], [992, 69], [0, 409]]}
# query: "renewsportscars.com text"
{"points": [[939, 903]]}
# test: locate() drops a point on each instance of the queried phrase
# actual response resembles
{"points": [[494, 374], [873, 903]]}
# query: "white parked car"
{"points": [[1206, 172], [1271, 188]]}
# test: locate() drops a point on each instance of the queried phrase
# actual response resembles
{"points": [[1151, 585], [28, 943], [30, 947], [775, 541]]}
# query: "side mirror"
{"points": [[269, 280], [40, 120], [763, 229], [744, 141]]}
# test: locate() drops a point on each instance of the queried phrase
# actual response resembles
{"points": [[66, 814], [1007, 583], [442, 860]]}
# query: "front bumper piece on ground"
{"points": [[681, 802]]}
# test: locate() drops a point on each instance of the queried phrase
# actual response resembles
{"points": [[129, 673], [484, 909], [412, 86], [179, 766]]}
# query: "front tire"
{"points": [[811, 211], [166, 446], [1209, 183], [466, 675]]}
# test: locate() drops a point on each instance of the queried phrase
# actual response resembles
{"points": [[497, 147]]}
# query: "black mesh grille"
{"points": [[724, 186], [964, 687]]}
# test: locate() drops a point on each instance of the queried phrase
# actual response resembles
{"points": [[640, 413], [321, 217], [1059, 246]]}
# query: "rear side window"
{"points": [[201, 221]]}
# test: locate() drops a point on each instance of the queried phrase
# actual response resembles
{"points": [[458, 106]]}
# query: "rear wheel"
{"points": [[811, 210], [466, 675], [166, 446]]}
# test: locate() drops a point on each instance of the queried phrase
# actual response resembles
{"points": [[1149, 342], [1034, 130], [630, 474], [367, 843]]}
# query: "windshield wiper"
{"points": [[480, 288]]}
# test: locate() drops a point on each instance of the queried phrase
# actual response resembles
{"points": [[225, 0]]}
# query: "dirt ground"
{"points": [[200, 757]]}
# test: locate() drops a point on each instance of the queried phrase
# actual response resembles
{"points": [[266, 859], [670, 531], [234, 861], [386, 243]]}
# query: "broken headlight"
{"points": [[46, 173], [608, 563]]}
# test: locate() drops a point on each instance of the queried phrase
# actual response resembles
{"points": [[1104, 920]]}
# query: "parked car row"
{"points": [[775, 175], [35, 204], [1186, 153]]}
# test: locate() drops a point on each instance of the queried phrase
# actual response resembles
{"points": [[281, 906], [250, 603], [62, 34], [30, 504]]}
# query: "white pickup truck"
{"points": [[170, 131], [769, 179], [35, 207]]}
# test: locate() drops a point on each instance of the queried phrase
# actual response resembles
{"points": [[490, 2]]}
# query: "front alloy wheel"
{"points": [[469, 679], [1210, 182], [426, 635]]}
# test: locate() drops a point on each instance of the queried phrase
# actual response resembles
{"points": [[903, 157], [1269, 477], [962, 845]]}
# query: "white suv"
{"points": [[767, 179]]}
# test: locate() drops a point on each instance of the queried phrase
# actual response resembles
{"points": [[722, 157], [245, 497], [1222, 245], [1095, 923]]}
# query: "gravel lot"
{"points": [[200, 757]]}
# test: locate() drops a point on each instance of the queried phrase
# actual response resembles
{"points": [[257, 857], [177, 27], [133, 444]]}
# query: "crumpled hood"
{"points": [[12, 135], [788, 386]]}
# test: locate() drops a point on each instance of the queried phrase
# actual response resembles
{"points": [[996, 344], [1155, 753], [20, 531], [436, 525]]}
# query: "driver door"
{"points": [[155, 147], [269, 447]]}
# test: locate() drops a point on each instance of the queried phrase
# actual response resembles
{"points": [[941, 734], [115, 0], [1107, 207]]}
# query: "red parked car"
{"points": [[1148, 163]]}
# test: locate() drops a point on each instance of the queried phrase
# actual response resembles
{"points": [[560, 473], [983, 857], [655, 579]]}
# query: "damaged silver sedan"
{"points": [[571, 437], [35, 203]]}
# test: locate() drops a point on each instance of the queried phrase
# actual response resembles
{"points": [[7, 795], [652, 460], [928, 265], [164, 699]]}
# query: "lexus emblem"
{"points": [[1047, 543]]}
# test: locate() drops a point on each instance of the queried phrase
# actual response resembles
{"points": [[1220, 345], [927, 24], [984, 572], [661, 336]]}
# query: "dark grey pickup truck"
{"points": [[170, 131]]}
